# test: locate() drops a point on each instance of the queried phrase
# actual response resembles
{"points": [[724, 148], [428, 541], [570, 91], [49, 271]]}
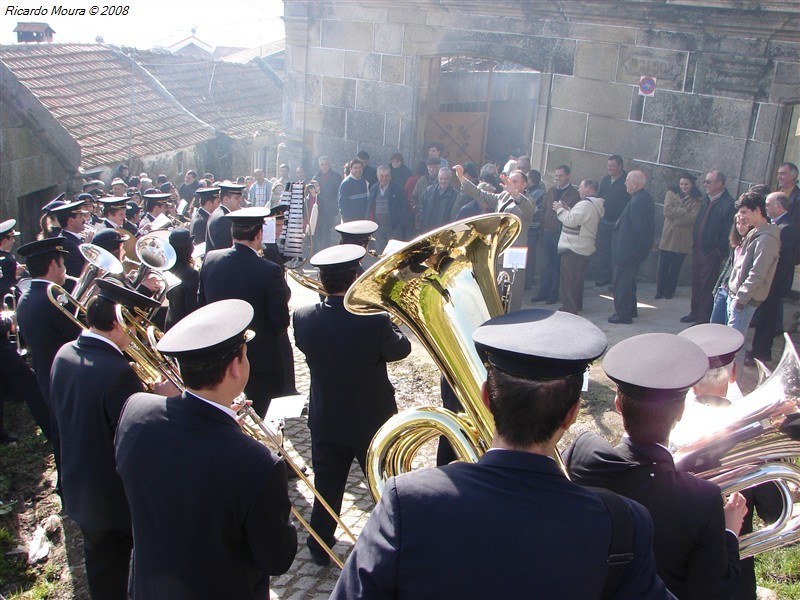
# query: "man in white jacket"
{"points": [[577, 242]]}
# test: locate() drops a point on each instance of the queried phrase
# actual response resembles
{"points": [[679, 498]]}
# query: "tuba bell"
{"points": [[442, 286], [99, 262], [753, 441]]}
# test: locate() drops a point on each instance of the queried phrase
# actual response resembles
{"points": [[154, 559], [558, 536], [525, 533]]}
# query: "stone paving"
{"points": [[416, 381]]}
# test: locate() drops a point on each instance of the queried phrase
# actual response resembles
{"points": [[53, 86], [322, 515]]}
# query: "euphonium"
{"points": [[99, 262], [442, 286], [753, 441]]}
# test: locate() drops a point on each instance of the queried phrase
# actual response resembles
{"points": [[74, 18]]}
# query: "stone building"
{"points": [[369, 75]]}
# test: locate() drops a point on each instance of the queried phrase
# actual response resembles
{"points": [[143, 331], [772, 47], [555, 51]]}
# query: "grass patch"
{"points": [[14, 571], [779, 570]]}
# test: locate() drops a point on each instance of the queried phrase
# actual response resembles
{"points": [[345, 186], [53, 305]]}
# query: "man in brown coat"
{"points": [[563, 191]]}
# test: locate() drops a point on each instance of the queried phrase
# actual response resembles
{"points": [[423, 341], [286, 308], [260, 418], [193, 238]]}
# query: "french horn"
{"points": [[754, 441], [441, 285]]}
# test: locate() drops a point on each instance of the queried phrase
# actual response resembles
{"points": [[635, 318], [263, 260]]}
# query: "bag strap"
{"points": [[620, 552]]}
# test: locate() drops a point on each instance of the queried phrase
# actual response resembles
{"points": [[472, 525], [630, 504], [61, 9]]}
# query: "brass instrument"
{"points": [[155, 255], [99, 262], [442, 286], [8, 312], [255, 427], [147, 372], [252, 424], [753, 441]]}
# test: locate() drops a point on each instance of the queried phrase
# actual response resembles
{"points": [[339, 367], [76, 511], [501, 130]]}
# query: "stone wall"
{"points": [[37, 156], [363, 76]]}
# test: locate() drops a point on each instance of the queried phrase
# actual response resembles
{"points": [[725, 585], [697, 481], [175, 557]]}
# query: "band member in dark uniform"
{"points": [[91, 380], [237, 531], [183, 297], [155, 203], [695, 543], [48, 223], [501, 527], [132, 212], [340, 346], [43, 326], [72, 220], [113, 211], [16, 378], [208, 199], [218, 234], [239, 272]]}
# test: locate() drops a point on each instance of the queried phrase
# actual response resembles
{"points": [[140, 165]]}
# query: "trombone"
{"points": [[147, 371]]}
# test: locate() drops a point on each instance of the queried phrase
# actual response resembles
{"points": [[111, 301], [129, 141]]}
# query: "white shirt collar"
{"points": [[95, 336], [225, 409]]}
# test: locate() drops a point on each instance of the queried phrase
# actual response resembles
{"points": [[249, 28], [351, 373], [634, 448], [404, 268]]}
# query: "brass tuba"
{"points": [[442, 286], [754, 441]]}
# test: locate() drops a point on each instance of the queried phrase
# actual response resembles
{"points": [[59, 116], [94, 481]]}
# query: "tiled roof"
{"points": [[111, 107], [32, 27], [264, 51], [238, 100]]}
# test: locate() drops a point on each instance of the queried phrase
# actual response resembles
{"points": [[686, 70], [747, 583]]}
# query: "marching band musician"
{"points": [[340, 346], [239, 272], [695, 539], [48, 222], [10, 270], [155, 204], [208, 200], [237, 531], [718, 388], [72, 220], [113, 211], [183, 297], [218, 233], [90, 381], [359, 233], [502, 527], [45, 328], [16, 378], [114, 241], [132, 217]]}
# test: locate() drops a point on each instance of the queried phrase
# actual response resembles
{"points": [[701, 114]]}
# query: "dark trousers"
{"points": [[108, 559], [624, 284], [602, 254], [765, 328], [17, 379], [530, 261], [261, 388], [287, 361], [669, 267], [331, 467], [548, 286], [573, 271], [705, 272]]}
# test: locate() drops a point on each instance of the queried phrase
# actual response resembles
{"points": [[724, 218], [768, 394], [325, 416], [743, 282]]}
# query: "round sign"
{"points": [[647, 85]]}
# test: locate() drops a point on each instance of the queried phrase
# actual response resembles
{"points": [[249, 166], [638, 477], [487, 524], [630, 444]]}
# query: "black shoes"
{"points": [[659, 295], [616, 319], [602, 283], [690, 318], [318, 555]]}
